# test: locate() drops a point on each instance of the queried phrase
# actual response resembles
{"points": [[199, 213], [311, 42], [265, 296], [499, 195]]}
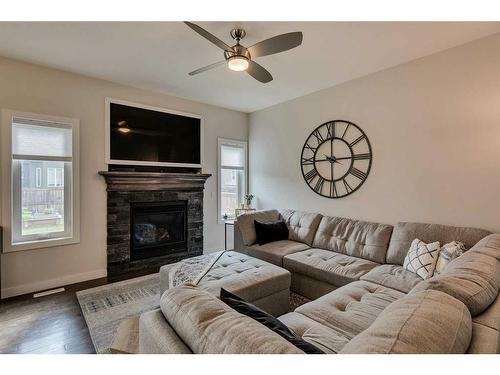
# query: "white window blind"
{"points": [[232, 176], [34, 138]]}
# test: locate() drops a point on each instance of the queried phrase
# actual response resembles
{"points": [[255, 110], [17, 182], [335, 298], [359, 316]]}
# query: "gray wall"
{"points": [[434, 126]]}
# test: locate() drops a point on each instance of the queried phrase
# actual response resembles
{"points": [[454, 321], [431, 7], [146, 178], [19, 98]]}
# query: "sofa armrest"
{"points": [[238, 239], [246, 224], [489, 245], [209, 326], [156, 336]]}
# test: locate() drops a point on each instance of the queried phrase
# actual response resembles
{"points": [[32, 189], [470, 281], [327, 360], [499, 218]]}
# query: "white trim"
{"points": [[48, 292], [7, 183], [107, 129], [52, 283], [238, 143], [41, 243]]}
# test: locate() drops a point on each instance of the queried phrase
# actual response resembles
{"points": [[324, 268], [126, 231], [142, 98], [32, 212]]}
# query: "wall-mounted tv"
{"points": [[143, 135]]}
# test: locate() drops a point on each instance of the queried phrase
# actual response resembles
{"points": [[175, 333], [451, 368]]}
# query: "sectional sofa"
{"points": [[363, 300], [352, 270]]}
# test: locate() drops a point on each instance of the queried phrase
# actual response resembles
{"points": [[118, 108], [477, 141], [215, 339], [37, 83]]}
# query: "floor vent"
{"points": [[48, 292]]}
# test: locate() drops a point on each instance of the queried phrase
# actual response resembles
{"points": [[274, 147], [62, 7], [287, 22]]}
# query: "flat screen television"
{"points": [[142, 135]]}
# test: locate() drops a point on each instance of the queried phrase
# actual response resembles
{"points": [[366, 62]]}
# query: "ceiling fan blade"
{"points": [[204, 33], [258, 72], [276, 44], [208, 67]]}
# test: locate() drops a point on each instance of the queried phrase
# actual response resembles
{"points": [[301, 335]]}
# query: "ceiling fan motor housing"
{"points": [[238, 50]]}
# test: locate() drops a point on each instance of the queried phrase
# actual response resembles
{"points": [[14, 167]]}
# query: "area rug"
{"points": [[105, 307]]}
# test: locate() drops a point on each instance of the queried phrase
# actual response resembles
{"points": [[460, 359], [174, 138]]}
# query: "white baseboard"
{"points": [[52, 283]]}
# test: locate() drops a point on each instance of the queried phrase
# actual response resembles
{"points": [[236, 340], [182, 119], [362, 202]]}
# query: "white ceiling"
{"points": [[158, 55]]}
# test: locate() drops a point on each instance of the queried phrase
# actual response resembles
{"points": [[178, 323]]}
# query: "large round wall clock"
{"points": [[336, 159]]}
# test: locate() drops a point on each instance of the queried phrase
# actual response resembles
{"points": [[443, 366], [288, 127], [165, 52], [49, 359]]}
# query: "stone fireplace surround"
{"points": [[125, 188]]}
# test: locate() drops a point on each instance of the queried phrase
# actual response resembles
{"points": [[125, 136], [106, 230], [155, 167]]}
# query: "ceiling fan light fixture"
{"points": [[237, 63]]}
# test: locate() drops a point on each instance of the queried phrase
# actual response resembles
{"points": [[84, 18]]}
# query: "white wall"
{"points": [[434, 126], [32, 88]]}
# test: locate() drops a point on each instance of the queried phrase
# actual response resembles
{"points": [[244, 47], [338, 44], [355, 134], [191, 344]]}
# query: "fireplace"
{"points": [[157, 229], [153, 218]]}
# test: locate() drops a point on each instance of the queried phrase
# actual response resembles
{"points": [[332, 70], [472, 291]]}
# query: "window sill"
{"points": [[40, 244], [223, 221]]}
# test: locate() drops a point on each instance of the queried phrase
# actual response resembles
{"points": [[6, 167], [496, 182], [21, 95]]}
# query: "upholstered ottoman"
{"points": [[261, 283]]}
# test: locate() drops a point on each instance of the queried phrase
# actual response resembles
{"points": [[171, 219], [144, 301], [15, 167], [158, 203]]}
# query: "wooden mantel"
{"points": [[151, 181]]}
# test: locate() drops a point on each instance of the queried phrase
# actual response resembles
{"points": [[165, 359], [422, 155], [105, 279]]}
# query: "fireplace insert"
{"points": [[157, 228]]}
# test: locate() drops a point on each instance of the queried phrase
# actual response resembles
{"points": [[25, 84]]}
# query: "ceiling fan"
{"points": [[239, 58]]}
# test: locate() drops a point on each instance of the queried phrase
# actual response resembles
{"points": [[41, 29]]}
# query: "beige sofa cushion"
{"points": [[247, 226], [490, 317], [273, 252], [302, 226], [353, 237], [352, 308], [329, 340], [486, 330], [485, 340], [404, 233], [325, 265], [472, 278], [209, 326], [427, 322], [247, 277], [393, 276]]}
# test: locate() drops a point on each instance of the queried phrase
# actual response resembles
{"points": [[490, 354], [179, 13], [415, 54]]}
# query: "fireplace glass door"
{"points": [[157, 229]]}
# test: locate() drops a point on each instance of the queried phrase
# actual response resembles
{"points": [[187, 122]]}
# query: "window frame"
{"points": [[10, 186], [231, 142]]}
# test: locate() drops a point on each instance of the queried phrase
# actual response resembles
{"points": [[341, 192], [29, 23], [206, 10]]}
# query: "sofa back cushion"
{"points": [[428, 322], [209, 326], [247, 226], [404, 233], [472, 278], [302, 226], [361, 239]]}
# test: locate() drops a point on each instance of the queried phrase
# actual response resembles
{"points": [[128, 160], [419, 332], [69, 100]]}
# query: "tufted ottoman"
{"points": [[263, 284]]}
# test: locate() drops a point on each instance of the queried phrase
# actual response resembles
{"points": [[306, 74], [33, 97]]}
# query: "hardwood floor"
{"points": [[50, 324]]}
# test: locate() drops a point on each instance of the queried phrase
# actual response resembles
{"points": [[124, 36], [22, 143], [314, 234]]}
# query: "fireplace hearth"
{"points": [[152, 219]]}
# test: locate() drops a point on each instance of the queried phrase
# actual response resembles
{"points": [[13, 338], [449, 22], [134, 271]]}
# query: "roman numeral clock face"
{"points": [[336, 159]]}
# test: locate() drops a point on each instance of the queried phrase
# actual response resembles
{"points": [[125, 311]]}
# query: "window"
{"points": [[38, 177], [232, 176], [55, 177], [43, 215]]}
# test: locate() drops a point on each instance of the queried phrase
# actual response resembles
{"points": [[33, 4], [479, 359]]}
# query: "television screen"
{"points": [[144, 135]]}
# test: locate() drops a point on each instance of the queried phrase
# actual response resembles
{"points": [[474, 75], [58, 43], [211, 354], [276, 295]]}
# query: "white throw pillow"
{"points": [[448, 252], [422, 258]]}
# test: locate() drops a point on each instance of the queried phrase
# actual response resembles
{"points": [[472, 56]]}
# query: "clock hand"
{"points": [[344, 158]]}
